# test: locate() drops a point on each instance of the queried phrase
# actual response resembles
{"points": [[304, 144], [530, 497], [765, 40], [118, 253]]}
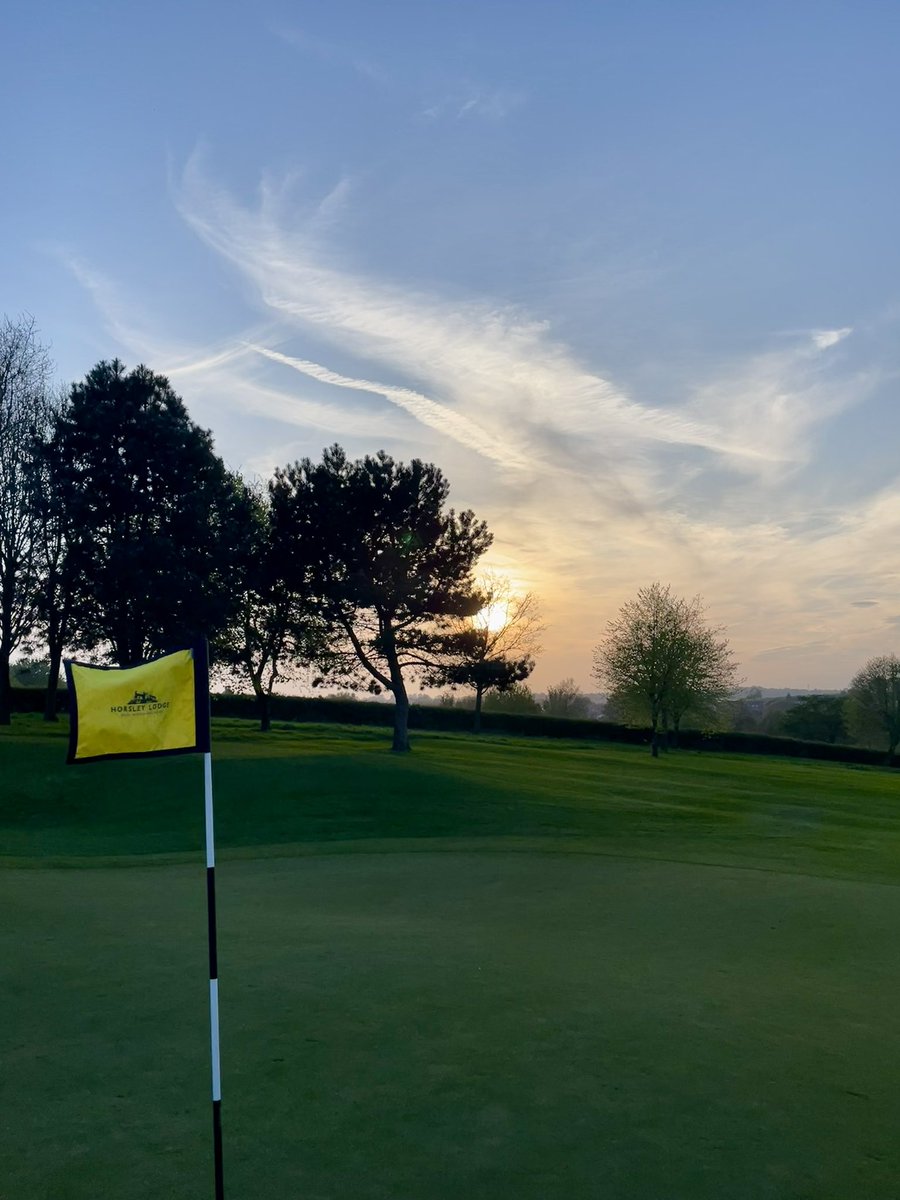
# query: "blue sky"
{"points": [[629, 273]]}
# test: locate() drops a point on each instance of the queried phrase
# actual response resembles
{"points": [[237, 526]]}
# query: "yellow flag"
{"points": [[158, 707]]}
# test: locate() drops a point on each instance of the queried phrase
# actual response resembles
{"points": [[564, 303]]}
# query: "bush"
{"points": [[33, 699]]}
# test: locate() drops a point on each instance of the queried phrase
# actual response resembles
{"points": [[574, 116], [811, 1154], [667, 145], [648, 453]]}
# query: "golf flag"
{"points": [[158, 707]]}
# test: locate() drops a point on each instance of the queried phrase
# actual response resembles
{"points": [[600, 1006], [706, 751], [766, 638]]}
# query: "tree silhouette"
{"points": [[390, 567], [275, 626], [873, 702], [156, 514], [816, 719], [566, 699], [59, 585], [24, 415], [494, 649]]}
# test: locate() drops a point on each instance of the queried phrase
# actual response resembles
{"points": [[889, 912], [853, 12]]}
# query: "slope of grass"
{"points": [[316, 784]]}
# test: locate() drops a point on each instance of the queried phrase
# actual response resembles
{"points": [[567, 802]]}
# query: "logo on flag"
{"points": [[158, 707]]}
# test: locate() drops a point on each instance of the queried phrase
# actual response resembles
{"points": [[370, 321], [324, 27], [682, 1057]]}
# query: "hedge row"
{"points": [[434, 717], [314, 709], [32, 700]]}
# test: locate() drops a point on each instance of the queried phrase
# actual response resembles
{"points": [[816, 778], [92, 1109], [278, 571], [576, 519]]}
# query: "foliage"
{"points": [[517, 698], [274, 628], [815, 718], [24, 415], [873, 703], [633, 709], [494, 649], [391, 570], [158, 514], [31, 671], [659, 653], [565, 699], [60, 587]]}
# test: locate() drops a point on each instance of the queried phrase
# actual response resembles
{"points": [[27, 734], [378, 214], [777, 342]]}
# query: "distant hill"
{"points": [[762, 693]]}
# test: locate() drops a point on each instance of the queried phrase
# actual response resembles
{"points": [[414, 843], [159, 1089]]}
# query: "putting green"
{"points": [[427, 1026]]}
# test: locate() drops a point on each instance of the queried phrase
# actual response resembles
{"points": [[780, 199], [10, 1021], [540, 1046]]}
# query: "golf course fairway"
{"points": [[497, 968]]}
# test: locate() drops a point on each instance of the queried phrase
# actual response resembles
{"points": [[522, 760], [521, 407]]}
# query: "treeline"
{"points": [[123, 534]]}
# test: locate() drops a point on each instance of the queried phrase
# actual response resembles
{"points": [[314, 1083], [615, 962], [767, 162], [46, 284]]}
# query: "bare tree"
{"points": [[274, 630], [495, 649], [566, 699], [57, 587], [25, 371], [873, 702], [660, 658]]}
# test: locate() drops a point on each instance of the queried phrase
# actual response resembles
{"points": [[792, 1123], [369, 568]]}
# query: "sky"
{"points": [[629, 273]]}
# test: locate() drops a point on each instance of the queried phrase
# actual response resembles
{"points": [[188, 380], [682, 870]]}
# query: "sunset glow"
{"points": [[493, 617]]}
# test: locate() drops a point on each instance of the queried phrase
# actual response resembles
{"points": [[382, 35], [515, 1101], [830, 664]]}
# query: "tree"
{"points": [[24, 411], [815, 719], [390, 568], [873, 703], [274, 627], [566, 699], [518, 698], [660, 655], [158, 515], [494, 649], [58, 584], [705, 676]]}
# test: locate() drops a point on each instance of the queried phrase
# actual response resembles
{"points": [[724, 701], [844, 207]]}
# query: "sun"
{"points": [[493, 617]]}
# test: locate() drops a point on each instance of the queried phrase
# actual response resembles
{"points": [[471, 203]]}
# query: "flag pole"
{"points": [[104, 723], [213, 978]]}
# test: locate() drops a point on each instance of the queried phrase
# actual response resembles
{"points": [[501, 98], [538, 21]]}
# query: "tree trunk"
{"points": [[52, 684], [666, 733], [5, 688], [264, 709], [479, 695], [654, 734], [398, 687], [401, 721]]}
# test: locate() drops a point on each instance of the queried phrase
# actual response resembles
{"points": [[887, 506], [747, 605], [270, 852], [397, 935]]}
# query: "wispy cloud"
{"points": [[506, 368], [471, 101], [772, 402], [823, 338], [590, 491], [124, 319], [329, 52], [456, 425]]}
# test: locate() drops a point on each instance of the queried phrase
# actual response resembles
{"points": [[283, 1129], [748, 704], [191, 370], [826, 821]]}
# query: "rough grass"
{"points": [[622, 978]]}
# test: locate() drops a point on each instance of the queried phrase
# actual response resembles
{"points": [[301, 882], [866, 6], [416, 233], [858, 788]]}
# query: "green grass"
{"points": [[324, 784], [505, 969]]}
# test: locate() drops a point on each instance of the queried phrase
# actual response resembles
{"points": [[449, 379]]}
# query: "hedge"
{"points": [[315, 709]]}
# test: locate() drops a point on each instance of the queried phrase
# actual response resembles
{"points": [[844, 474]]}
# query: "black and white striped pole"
{"points": [[213, 979]]}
